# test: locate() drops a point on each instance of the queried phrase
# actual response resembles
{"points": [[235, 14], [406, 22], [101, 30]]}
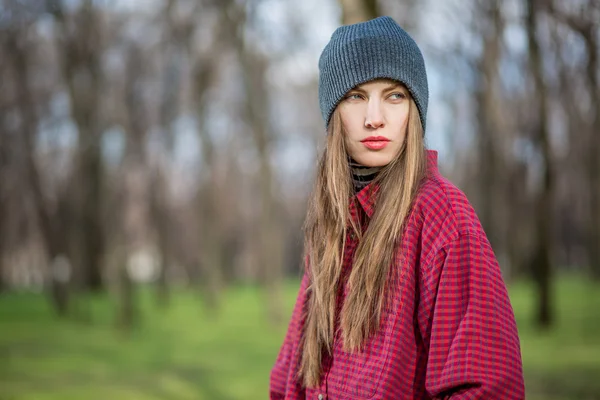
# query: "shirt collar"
{"points": [[366, 196]]}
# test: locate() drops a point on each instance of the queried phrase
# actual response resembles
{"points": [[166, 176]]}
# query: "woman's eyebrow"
{"points": [[394, 87], [387, 89], [357, 89]]}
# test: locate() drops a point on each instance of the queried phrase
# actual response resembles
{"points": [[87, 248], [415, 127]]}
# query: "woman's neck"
{"points": [[362, 175]]}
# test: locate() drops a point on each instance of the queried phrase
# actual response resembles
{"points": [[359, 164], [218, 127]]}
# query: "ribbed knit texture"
{"points": [[365, 51], [362, 175]]}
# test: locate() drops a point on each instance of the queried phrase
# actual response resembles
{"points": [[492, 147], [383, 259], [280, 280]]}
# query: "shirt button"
{"points": [[321, 397]]}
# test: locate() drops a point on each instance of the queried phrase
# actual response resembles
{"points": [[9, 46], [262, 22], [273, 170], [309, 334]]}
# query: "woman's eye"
{"points": [[354, 96], [397, 96]]}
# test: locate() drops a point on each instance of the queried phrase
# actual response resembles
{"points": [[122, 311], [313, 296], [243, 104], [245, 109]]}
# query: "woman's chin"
{"points": [[374, 160]]}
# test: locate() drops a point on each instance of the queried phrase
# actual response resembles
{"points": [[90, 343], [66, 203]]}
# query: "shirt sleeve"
{"points": [[468, 325], [285, 365]]}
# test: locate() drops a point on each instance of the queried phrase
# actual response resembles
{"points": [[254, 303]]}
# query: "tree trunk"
{"points": [[91, 235], [517, 227], [544, 218], [135, 183], [211, 245], [132, 216], [169, 106], [82, 73], [3, 285], [586, 25], [126, 314], [54, 242], [489, 124], [354, 11], [210, 212], [159, 212], [271, 238], [591, 42], [4, 164], [272, 243]]}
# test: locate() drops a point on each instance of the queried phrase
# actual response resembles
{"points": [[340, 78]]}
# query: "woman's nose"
{"points": [[374, 117]]}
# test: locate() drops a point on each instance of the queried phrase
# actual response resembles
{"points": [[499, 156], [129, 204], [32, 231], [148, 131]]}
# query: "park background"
{"points": [[156, 157]]}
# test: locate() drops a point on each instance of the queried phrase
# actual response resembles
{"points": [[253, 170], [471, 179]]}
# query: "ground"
{"points": [[184, 353]]}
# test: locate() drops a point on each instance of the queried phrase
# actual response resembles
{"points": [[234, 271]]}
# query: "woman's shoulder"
{"points": [[444, 208]]}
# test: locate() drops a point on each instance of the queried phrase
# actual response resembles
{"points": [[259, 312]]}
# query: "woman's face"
{"points": [[375, 117]]}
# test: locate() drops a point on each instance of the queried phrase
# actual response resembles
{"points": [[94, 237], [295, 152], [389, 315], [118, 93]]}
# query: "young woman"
{"points": [[402, 297]]}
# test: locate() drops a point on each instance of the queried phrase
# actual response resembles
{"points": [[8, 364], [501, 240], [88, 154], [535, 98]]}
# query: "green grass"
{"points": [[185, 353], [179, 353], [563, 363]]}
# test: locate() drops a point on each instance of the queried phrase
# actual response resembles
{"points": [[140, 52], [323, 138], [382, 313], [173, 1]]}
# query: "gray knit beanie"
{"points": [[370, 50]]}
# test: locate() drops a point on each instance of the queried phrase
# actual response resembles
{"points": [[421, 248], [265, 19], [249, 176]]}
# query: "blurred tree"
{"points": [[160, 214], [586, 25], [144, 75], [80, 43], [160, 200], [254, 68], [48, 217], [542, 261], [204, 74], [576, 79], [4, 154], [488, 94], [135, 178], [354, 11]]}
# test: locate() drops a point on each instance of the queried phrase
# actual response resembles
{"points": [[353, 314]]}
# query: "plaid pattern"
{"points": [[448, 330]]}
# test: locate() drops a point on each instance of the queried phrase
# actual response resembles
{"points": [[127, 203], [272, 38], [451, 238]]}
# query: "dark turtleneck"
{"points": [[361, 175]]}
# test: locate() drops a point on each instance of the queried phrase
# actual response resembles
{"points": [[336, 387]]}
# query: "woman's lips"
{"points": [[375, 142]]}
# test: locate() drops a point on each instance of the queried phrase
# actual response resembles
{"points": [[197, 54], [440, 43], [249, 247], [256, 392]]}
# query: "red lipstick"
{"points": [[375, 142]]}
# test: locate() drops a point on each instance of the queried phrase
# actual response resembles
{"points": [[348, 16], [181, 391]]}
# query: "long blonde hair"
{"points": [[325, 229]]}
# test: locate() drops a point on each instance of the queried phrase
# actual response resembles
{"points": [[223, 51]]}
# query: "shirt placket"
{"points": [[351, 242]]}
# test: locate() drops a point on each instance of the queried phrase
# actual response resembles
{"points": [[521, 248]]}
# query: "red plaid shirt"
{"points": [[449, 330]]}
